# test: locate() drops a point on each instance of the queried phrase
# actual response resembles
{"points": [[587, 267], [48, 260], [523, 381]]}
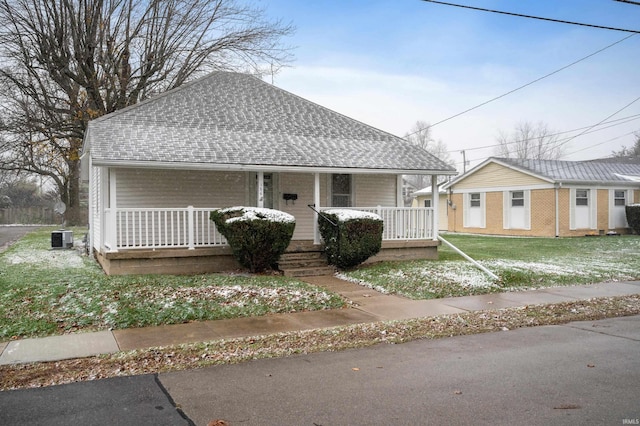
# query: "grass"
{"points": [[521, 263], [45, 292]]}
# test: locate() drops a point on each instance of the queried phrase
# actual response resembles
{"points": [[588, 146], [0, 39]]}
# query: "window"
{"points": [[427, 203], [474, 199], [582, 197], [517, 199], [620, 198], [341, 190]]}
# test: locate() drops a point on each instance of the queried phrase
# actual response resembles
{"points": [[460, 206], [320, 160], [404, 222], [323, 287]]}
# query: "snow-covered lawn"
{"points": [[45, 291], [586, 260]]}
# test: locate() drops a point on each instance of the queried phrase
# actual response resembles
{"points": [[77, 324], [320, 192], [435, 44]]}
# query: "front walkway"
{"points": [[368, 306]]}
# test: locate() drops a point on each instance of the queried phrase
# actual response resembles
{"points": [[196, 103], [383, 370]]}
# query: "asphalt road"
{"points": [[580, 373], [9, 234]]}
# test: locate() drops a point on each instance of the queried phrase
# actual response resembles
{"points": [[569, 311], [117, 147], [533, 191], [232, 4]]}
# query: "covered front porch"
{"points": [[186, 241], [191, 228], [183, 240]]}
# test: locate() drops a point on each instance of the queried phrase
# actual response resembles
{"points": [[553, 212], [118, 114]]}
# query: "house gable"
{"points": [[498, 177]]}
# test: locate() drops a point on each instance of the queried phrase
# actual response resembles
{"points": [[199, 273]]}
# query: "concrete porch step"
{"points": [[304, 264], [309, 272]]}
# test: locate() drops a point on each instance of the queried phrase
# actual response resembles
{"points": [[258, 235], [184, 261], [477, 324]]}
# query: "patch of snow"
{"points": [[259, 213], [46, 258], [349, 214]]}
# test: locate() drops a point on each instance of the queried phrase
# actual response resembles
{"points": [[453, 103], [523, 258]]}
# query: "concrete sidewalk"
{"points": [[369, 306]]}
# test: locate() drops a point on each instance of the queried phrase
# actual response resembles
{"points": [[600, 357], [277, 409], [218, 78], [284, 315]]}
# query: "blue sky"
{"points": [[391, 63]]}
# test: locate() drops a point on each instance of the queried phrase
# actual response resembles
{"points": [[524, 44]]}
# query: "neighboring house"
{"points": [[543, 197], [407, 192], [158, 168], [424, 198]]}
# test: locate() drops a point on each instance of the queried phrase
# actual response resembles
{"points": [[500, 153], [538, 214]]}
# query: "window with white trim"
{"points": [[340, 190], [620, 198], [582, 197], [517, 198], [474, 199]]}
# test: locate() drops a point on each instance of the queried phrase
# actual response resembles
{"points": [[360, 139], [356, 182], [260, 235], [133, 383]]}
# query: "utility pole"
{"points": [[464, 162]]}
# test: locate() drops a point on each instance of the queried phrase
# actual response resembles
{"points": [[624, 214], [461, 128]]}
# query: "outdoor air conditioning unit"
{"points": [[61, 239]]}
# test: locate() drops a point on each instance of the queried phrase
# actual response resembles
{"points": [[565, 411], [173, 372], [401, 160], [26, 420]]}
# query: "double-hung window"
{"points": [[474, 199], [341, 190], [517, 199], [582, 197]]}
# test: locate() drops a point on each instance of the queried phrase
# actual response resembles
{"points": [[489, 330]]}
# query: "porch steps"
{"points": [[304, 264]]}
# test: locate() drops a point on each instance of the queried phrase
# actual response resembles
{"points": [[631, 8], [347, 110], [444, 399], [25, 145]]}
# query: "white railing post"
{"points": [[191, 225]]}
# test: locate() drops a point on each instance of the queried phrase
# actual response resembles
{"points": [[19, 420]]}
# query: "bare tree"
{"points": [[629, 152], [529, 141], [420, 135], [65, 62]]}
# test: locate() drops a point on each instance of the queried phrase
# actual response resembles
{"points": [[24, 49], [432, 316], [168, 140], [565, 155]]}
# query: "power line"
{"points": [[623, 120], [534, 17], [603, 120], [587, 130], [600, 143], [527, 84]]}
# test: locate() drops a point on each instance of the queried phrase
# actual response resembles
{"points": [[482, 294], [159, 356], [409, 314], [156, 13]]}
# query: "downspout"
{"points": [[476, 264]]}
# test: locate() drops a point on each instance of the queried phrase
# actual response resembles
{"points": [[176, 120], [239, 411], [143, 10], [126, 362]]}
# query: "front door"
{"points": [[582, 210], [618, 212]]}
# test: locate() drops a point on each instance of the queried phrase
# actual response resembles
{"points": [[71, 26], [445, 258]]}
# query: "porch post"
{"points": [[260, 189], [399, 197], [316, 202], [111, 236], [435, 199]]}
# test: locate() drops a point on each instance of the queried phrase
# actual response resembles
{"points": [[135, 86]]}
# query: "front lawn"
{"points": [[521, 263], [45, 292]]}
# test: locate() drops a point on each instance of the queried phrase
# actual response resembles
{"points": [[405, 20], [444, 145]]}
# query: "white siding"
{"points": [[302, 185], [375, 190], [96, 206], [180, 188]]}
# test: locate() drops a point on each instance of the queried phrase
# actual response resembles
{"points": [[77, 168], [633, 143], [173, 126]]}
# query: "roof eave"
{"points": [[264, 168]]}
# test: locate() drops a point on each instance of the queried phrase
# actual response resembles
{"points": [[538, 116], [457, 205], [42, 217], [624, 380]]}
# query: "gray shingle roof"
{"points": [[237, 119], [577, 171]]}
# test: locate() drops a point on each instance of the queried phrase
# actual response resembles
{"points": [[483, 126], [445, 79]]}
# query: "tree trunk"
{"points": [[74, 214]]}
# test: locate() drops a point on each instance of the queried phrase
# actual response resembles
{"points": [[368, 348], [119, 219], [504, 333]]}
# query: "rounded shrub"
{"points": [[257, 236], [350, 236], [633, 217]]}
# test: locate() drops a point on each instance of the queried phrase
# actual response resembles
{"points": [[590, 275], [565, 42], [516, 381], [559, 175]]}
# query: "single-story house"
{"points": [[545, 198], [424, 198], [158, 168]]}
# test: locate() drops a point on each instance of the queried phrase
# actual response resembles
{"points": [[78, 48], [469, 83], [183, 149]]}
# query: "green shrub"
{"points": [[257, 236], [357, 236], [633, 217]]}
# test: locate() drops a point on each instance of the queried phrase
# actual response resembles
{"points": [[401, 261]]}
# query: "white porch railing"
{"points": [[402, 223], [190, 227], [150, 228]]}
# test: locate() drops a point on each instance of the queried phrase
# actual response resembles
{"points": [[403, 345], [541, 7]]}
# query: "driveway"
{"points": [[9, 234]]}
